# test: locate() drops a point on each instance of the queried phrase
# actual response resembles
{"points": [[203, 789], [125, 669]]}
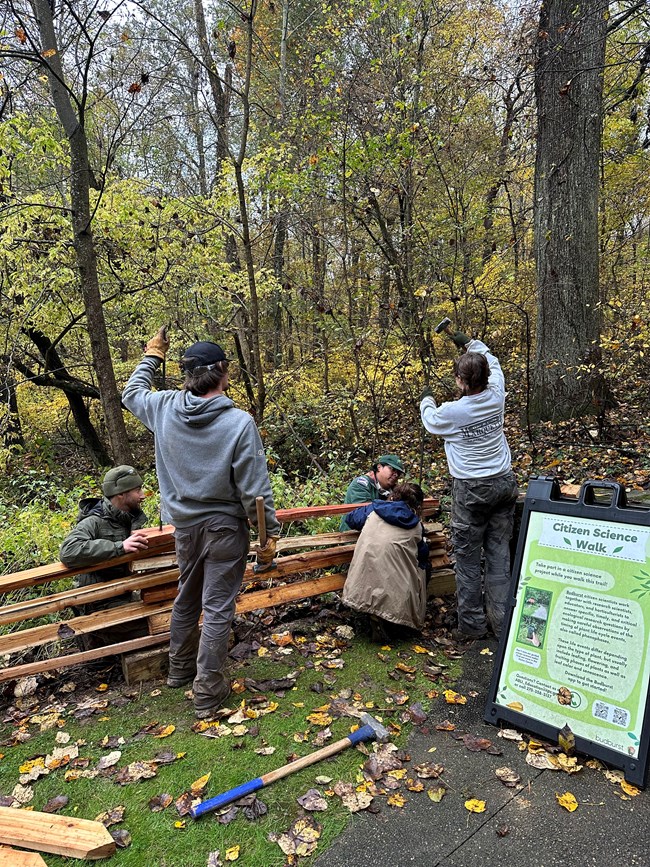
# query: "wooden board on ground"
{"points": [[15, 858], [59, 835], [13, 672], [145, 665]]}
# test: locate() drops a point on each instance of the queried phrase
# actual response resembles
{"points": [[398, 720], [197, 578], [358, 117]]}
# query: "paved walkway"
{"points": [[603, 831]]}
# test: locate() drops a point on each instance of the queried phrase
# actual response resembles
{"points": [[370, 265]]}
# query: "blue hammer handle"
{"points": [[364, 733]]}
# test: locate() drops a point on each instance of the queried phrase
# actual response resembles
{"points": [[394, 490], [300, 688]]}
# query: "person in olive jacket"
{"points": [[108, 527]]}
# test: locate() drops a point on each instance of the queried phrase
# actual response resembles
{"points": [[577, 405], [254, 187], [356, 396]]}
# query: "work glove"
{"points": [[460, 339], [426, 392], [158, 346], [266, 554]]}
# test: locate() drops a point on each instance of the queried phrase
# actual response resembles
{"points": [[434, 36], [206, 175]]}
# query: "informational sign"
{"points": [[576, 650]]}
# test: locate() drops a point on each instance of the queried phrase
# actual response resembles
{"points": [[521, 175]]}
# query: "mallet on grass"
{"points": [[371, 729]]}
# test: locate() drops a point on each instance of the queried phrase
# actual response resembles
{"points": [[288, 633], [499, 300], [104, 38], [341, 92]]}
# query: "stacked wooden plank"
{"points": [[154, 573]]}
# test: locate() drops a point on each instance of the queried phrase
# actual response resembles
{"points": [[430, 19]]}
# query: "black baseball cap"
{"points": [[202, 354]]}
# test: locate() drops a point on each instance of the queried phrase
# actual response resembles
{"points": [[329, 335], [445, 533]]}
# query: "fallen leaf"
{"points": [[510, 735], [356, 801], [179, 824], [122, 837], [313, 801], [111, 817], [437, 794], [265, 751], [199, 785], [56, 804], [109, 760], [397, 800], [214, 859], [503, 831], [629, 789], [445, 726], [160, 802], [452, 697], [428, 771], [301, 838], [475, 744], [508, 777], [568, 801], [232, 854], [475, 806], [165, 731]]}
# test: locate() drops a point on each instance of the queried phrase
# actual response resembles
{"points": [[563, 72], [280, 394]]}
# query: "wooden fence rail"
{"points": [[155, 574]]}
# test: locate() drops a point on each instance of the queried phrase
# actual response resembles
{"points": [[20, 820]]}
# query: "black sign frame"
{"points": [[602, 501]]}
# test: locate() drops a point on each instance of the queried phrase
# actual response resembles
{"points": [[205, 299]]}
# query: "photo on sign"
{"points": [[533, 618]]}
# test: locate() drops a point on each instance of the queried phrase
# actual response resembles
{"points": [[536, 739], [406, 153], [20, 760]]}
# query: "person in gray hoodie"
{"points": [[211, 467]]}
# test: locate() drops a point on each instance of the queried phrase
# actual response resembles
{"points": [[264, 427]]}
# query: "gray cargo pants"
{"points": [[211, 559], [482, 514]]}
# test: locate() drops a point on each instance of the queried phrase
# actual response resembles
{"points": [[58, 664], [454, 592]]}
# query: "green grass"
{"points": [[156, 842]]}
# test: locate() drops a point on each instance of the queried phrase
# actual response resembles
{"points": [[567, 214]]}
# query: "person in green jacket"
{"points": [[108, 527], [374, 485]]}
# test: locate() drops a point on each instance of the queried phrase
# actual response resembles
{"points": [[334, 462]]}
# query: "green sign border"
{"points": [[535, 646]]}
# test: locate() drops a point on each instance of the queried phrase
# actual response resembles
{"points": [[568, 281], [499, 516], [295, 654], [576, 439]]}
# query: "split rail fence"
{"points": [[154, 573]]}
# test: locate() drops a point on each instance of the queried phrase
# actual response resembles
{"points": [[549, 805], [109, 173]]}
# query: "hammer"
{"points": [[370, 729], [443, 325]]}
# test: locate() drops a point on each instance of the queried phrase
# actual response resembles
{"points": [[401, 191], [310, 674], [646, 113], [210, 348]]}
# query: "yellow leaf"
{"points": [[263, 651], [419, 649], [320, 719], [179, 824], [452, 697], [49, 53], [475, 806], [166, 732], [516, 705], [386, 647], [397, 774], [102, 687], [629, 789], [438, 794], [232, 854], [198, 785], [568, 801], [397, 800]]}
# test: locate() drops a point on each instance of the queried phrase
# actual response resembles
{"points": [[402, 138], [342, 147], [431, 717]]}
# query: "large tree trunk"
{"points": [[80, 182], [569, 93]]}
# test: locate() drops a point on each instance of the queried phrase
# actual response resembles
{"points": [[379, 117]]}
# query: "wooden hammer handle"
{"points": [[261, 520]]}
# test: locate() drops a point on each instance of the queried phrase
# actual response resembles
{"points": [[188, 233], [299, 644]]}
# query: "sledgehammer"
{"points": [[370, 729]]}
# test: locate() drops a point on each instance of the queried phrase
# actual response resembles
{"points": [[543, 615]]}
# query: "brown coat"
{"points": [[384, 578]]}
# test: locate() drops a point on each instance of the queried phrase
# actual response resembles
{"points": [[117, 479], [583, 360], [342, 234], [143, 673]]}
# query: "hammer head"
{"points": [[381, 732], [442, 325]]}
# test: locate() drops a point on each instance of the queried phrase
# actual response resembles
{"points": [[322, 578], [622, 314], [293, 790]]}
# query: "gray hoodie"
{"points": [[209, 455]]}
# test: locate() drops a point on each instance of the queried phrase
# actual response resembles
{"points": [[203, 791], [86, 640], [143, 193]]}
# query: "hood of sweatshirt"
{"points": [[396, 512], [201, 411]]}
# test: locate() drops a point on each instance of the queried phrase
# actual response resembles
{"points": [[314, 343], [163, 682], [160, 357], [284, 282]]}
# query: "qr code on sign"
{"points": [[601, 710], [620, 716]]}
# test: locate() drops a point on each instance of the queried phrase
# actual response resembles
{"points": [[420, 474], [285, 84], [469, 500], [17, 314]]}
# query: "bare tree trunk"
{"points": [[11, 431], [80, 182], [569, 93]]}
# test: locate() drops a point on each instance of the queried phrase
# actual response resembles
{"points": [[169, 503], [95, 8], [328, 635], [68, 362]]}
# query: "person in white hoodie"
{"points": [[211, 466], [484, 487]]}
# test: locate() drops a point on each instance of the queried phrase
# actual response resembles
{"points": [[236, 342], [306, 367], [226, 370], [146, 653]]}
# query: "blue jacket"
{"points": [[395, 512]]}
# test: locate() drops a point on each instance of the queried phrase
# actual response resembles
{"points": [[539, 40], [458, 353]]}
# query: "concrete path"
{"points": [[604, 831]]}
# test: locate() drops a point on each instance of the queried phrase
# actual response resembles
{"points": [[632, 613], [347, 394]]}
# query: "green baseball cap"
{"points": [[119, 480], [392, 461]]}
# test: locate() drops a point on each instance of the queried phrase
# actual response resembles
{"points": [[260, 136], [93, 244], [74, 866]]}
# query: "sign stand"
{"points": [[574, 648]]}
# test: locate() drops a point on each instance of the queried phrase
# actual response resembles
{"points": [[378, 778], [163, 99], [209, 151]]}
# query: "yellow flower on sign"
{"points": [[568, 801], [475, 806], [516, 705]]}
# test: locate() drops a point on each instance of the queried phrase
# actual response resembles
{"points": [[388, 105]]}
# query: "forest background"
{"points": [[314, 185]]}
